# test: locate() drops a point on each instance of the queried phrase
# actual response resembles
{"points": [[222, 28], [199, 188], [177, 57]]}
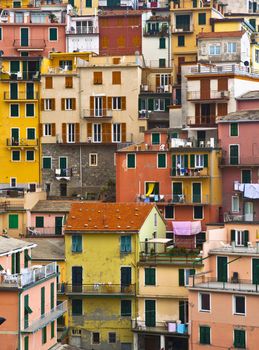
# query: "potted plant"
{"points": [[53, 18]]}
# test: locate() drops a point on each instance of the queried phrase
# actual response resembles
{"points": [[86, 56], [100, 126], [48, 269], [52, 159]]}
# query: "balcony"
{"points": [[239, 160], [238, 217], [11, 205], [44, 231], [182, 144], [31, 45], [107, 289], [45, 319], [21, 143], [182, 29], [207, 95], [83, 30], [200, 281], [65, 173], [225, 69], [28, 276], [202, 121], [184, 173], [181, 199], [151, 89], [252, 248], [21, 96], [97, 113], [175, 327], [162, 31], [14, 76]]}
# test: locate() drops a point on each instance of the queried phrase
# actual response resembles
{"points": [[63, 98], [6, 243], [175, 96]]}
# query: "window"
{"points": [[68, 104], [125, 244], [14, 110], [131, 161], [46, 162], [162, 43], [150, 276], [233, 129], [30, 156], [98, 78], [214, 50], [46, 129], [70, 133], [155, 138], [235, 204], [88, 3], [184, 275], [116, 103], [252, 21], [232, 47], [162, 62], [257, 56], [48, 83], [95, 338], [1, 33], [112, 337], [204, 302], [76, 244], [77, 307], [239, 338], [16, 156], [29, 109], [39, 221], [66, 64], [181, 40], [246, 176], [48, 104], [97, 133], [44, 335], [53, 34], [31, 134], [13, 181], [169, 212], [204, 335], [52, 329], [240, 237], [93, 159], [161, 160], [116, 132], [159, 104], [198, 212], [201, 161], [202, 19], [68, 82], [234, 154], [13, 221], [239, 305], [116, 78], [126, 308]]}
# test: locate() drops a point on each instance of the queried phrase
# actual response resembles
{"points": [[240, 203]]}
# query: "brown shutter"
{"points": [[169, 79], [205, 89], [77, 132], [40, 130], [123, 103], [68, 82], [62, 104], [48, 83], [98, 78], [42, 104], [197, 113], [89, 129], [212, 113], [109, 102], [157, 80], [53, 129], [53, 104], [107, 134], [91, 105], [64, 132], [123, 132], [104, 106], [222, 84], [73, 104], [222, 109], [116, 78]]}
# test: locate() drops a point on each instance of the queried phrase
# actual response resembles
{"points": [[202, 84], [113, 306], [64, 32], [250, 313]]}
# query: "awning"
{"points": [[186, 228], [159, 240], [150, 189]]}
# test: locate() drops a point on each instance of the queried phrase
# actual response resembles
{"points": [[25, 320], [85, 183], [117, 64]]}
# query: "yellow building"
{"points": [[164, 273], [19, 140], [102, 252], [86, 7]]}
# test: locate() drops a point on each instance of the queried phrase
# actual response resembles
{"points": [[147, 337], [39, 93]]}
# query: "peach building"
{"points": [[223, 299], [27, 298]]}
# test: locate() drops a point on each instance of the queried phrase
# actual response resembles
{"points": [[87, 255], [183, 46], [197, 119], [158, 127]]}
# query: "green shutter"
{"points": [[14, 110], [155, 138], [222, 269], [131, 160], [233, 235], [46, 162], [27, 310], [14, 66], [255, 270], [192, 161], [26, 342], [173, 165], [162, 43], [167, 104], [234, 129], [205, 160], [13, 91], [42, 303], [30, 91], [44, 335], [161, 160], [246, 176], [13, 263], [18, 263], [239, 339], [150, 104], [53, 34], [196, 192], [246, 238], [202, 18], [181, 40], [234, 155], [126, 308], [26, 258], [31, 134], [150, 313], [13, 221], [185, 157], [30, 110], [204, 335], [39, 221], [88, 3], [52, 329], [77, 307], [52, 295], [181, 277], [150, 276]]}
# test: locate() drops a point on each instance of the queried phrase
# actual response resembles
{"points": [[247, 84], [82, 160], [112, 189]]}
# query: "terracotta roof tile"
{"points": [[107, 216], [212, 35]]}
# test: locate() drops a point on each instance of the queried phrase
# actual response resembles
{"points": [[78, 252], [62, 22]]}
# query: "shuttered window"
{"points": [[126, 308], [202, 18], [68, 82], [42, 301], [46, 162], [13, 221], [239, 339], [76, 244], [116, 78], [233, 129], [39, 221], [161, 160], [98, 78], [52, 329], [131, 160], [181, 40], [150, 276], [77, 307], [125, 244], [162, 43], [53, 34], [52, 295], [155, 138], [204, 335], [31, 134], [14, 110], [44, 335], [234, 155], [246, 176], [48, 83]]}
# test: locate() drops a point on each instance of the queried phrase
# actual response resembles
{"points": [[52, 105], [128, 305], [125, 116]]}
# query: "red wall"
{"points": [[247, 105]]}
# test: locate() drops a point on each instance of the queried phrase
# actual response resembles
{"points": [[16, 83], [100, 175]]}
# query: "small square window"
{"points": [[198, 212], [14, 110], [53, 34], [29, 110], [181, 40], [30, 156], [93, 159], [16, 156], [112, 337], [95, 338]]}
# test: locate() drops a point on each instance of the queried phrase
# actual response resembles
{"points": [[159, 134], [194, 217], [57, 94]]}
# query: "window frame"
{"points": [[135, 160], [201, 309], [47, 127], [94, 164], [15, 151], [48, 158], [50, 30], [215, 47], [235, 305], [117, 133], [29, 152]]}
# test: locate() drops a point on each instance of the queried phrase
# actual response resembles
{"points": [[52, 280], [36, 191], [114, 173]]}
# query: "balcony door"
{"points": [[177, 191], [125, 277], [77, 278], [222, 269], [24, 36], [255, 271], [58, 225], [150, 313], [98, 106], [13, 91], [15, 136], [249, 211]]}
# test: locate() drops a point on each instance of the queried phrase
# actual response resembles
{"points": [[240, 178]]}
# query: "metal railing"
{"points": [[21, 142], [101, 289], [174, 198], [41, 231], [162, 31], [30, 44], [43, 320], [97, 113], [60, 70], [213, 94], [28, 276], [8, 205], [20, 96], [239, 160], [191, 142], [163, 89], [29, 75], [66, 172], [182, 28], [226, 68], [172, 326], [238, 217], [204, 120], [185, 172], [84, 30]]}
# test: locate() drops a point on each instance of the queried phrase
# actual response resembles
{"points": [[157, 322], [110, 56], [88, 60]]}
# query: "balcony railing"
{"points": [[13, 76], [174, 327], [20, 96], [28, 276], [197, 95], [21, 142], [30, 45], [186, 173], [66, 172], [12, 205], [83, 30], [225, 68], [97, 113], [238, 217], [231, 284], [182, 29], [39, 323], [204, 120], [190, 142], [100, 289], [163, 89], [44, 231], [175, 199], [163, 31]]}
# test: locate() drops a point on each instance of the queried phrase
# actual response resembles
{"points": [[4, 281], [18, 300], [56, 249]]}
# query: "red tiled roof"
{"points": [[107, 216], [125, 13], [234, 34]]}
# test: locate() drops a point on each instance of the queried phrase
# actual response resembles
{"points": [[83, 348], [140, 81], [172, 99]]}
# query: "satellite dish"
{"points": [[246, 63]]}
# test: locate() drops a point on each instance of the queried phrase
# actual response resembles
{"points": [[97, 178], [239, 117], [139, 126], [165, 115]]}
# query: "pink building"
{"points": [[223, 300], [238, 135], [248, 101], [28, 301], [32, 31]]}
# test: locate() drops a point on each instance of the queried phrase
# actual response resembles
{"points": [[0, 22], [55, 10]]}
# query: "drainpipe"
{"points": [[80, 150], [19, 320]]}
